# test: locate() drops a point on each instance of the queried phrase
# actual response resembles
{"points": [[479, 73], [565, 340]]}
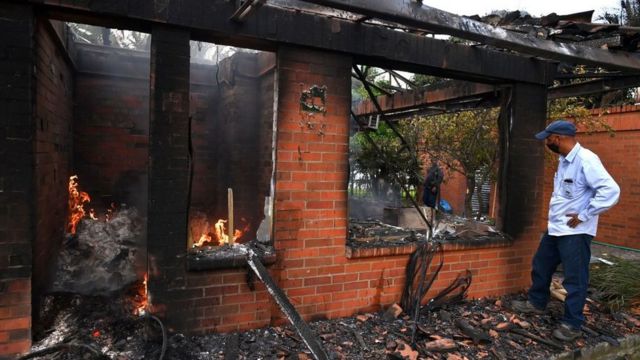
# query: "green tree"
{"points": [[389, 164], [465, 142]]}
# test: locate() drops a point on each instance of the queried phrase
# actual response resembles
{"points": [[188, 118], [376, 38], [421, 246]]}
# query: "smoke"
{"points": [[103, 256], [372, 205]]}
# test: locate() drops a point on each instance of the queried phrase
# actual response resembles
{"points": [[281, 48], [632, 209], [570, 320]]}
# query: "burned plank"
{"points": [[429, 96], [531, 336], [410, 13], [476, 335], [593, 87], [287, 308]]}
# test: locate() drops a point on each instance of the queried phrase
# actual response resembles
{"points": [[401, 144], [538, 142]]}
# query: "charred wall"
{"points": [[17, 176], [53, 147], [111, 128]]}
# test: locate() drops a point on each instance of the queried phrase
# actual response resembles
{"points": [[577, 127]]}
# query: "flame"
{"points": [[77, 199], [142, 298], [217, 234]]}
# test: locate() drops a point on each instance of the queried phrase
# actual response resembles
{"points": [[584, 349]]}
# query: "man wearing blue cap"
{"points": [[582, 189]]}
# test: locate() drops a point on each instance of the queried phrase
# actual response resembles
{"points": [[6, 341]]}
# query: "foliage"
{"points": [[571, 109], [422, 80], [629, 14], [372, 75], [465, 142], [618, 283], [390, 164]]}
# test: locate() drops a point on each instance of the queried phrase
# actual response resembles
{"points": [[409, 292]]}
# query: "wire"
{"points": [[164, 335]]}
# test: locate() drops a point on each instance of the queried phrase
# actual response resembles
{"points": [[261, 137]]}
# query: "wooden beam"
{"points": [[209, 20], [414, 14], [593, 87], [424, 101], [429, 96]]}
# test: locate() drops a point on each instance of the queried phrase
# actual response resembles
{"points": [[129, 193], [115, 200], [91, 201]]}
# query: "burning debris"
{"points": [[98, 256], [203, 232], [77, 200], [102, 256]]}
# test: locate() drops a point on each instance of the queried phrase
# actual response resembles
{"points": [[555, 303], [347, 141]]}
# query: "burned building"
{"points": [[171, 137]]}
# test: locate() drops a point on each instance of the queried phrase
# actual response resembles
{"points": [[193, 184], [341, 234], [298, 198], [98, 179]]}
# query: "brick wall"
{"points": [[111, 127], [17, 176], [53, 117], [620, 155]]}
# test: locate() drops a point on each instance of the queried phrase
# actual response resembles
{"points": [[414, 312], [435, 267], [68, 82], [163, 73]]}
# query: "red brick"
{"points": [[16, 323]]}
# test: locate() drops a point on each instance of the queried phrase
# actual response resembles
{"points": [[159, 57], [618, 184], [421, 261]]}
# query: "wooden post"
{"points": [[230, 209]]}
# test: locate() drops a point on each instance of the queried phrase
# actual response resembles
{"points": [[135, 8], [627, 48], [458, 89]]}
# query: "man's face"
{"points": [[553, 143]]}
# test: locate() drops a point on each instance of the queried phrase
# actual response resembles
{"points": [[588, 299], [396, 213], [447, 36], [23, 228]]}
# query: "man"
{"points": [[432, 185], [582, 189]]}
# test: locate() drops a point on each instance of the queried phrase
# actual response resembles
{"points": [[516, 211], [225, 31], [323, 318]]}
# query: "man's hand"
{"points": [[574, 221]]}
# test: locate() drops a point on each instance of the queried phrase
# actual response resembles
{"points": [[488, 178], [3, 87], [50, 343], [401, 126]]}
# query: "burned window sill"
{"points": [[355, 250], [226, 257]]}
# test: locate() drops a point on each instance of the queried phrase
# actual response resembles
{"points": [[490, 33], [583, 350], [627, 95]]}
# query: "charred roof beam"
{"points": [[245, 8], [408, 12], [271, 26]]}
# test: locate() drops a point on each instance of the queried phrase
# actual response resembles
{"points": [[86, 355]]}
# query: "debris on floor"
{"points": [[473, 329]]}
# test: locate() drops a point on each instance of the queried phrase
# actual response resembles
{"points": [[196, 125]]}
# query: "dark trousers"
{"points": [[574, 252]]}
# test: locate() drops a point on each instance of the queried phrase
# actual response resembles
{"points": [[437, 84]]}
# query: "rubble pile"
{"points": [[449, 228], [474, 329], [102, 256]]}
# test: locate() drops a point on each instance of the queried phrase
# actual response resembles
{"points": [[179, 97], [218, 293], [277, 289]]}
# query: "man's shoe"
{"points": [[526, 307], [565, 332]]}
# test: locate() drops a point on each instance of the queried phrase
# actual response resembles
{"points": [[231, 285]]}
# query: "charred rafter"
{"points": [[271, 26], [460, 95], [410, 13]]}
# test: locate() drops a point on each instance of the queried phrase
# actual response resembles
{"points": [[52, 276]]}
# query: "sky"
{"points": [[534, 7]]}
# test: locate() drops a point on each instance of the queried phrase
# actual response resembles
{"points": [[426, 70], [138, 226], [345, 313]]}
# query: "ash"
{"points": [[108, 326], [101, 258]]}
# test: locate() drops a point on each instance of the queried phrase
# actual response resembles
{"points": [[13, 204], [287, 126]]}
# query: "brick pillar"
{"points": [[168, 172], [524, 182], [17, 181], [524, 178], [310, 220]]}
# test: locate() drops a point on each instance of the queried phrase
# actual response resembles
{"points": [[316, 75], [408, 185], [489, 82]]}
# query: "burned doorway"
{"points": [[232, 99], [103, 245]]}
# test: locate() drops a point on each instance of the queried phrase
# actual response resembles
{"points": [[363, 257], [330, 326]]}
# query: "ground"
{"points": [[110, 327]]}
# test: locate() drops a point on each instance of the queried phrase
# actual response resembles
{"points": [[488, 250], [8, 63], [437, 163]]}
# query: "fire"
{"points": [[217, 234], [77, 199], [142, 298]]}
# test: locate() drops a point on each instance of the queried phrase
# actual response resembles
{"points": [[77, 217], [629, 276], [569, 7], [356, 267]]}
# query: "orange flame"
{"points": [[219, 234], [142, 298], [77, 199]]}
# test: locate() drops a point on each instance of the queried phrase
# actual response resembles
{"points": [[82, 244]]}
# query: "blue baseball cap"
{"points": [[558, 127]]}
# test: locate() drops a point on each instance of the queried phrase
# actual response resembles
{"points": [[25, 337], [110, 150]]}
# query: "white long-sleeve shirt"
{"points": [[581, 186]]}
